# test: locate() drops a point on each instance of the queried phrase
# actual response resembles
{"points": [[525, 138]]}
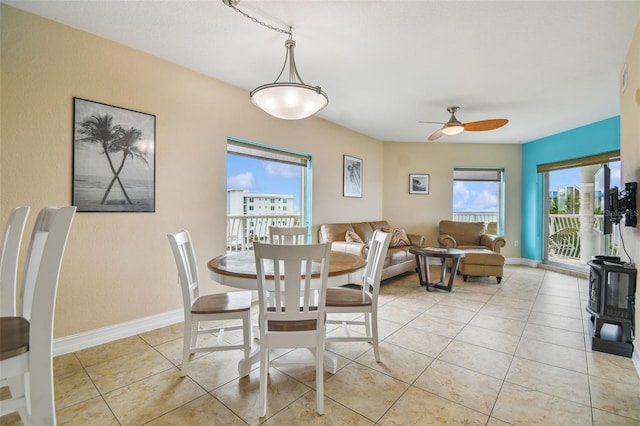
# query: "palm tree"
{"points": [[99, 129], [125, 143]]}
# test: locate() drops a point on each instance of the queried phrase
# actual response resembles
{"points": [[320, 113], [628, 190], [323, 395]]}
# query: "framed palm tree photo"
{"points": [[113, 158]]}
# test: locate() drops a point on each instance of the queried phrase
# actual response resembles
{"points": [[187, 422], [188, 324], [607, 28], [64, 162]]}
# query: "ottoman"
{"points": [[481, 263]]}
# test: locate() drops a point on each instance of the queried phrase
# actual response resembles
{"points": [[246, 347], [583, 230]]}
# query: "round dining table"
{"points": [[238, 270]]}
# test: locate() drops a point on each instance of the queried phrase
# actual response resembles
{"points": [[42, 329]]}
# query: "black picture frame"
{"points": [[113, 158], [419, 184], [352, 177]]}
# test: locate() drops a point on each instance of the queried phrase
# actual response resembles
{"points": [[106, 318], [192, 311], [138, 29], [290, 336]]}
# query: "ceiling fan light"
{"points": [[451, 129], [289, 101]]}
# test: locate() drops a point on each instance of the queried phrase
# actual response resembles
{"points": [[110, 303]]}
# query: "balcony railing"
{"points": [[564, 237], [242, 230]]}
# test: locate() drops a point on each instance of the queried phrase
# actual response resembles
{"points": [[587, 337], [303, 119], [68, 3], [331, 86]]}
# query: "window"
{"points": [[267, 177], [478, 196]]}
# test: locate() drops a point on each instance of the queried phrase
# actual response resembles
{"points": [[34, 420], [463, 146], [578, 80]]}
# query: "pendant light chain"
{"points": [[232, 4]]}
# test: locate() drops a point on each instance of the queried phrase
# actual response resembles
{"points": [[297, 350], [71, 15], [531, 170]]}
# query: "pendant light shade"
{"points": [[289, 100]]}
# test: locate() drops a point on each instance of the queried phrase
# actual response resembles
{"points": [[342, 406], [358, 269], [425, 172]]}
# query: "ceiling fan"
{"points": [[453, 126]]}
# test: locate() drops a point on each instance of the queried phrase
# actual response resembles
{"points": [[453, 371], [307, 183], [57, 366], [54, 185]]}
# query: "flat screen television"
{"points": [[601, 201]]}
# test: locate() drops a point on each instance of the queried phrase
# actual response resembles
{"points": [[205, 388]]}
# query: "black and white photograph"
{"points": [[352, 177], [418, 184], [113, 158]]}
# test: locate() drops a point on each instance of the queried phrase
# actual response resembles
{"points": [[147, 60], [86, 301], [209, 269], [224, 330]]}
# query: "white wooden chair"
{"points": [[26, 359], [287, 318], [342, 300], [9, 261], [210, 307], [288, 234]]}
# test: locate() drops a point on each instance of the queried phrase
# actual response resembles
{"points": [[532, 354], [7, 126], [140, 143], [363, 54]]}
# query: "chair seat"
{"points": [[237, 301], [14, 337], [337, 296]]}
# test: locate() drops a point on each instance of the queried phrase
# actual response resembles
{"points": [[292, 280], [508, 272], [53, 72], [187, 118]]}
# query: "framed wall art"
{"points": [[352, 172], [113, 158], [418, 184]]}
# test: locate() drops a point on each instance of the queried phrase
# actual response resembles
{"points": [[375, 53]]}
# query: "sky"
{"points": [[254, 175]]}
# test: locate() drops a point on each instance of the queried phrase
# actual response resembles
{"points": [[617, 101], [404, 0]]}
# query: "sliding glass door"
{"points": [[574, 231]]}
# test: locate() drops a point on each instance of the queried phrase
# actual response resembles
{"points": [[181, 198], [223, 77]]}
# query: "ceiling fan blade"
{"points": [[435, 135], [476, 126], [431, 122]]}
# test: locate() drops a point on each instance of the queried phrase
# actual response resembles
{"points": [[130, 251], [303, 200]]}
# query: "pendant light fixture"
{"points": [[290, 99]]}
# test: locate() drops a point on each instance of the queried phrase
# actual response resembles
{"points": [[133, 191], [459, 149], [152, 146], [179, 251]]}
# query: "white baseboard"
{"points": [[636, 359], [88, 339]]}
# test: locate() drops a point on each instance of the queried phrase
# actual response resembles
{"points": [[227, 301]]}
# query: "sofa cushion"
{"points": [[397, 255], [482, 257], [398, 237], [364, 230], [334, 231], [352, 237], [379, 224]]}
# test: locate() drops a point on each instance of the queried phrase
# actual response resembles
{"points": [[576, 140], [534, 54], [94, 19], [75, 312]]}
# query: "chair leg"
{"points": [[186, 346], [246, 334], [367, 324], [244, 366], [264, 369], [320, 379], [18, 387], [374, 334]]}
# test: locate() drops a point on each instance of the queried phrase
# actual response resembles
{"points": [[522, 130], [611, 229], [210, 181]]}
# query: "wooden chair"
{"points": [[210, 307], [288, 234], [26, 360], [288, 319], [9, 261], [347, 300]]}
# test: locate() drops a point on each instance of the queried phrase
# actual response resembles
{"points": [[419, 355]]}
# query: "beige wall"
{"points": [[630, 145], [422, 213], [118, 266]]}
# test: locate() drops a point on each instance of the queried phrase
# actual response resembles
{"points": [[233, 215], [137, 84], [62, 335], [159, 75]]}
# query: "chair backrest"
{"points": [[185, 257], [39, 237], [57, 226], [289, 279], [288, 234], [9, 260], [378, 247]]}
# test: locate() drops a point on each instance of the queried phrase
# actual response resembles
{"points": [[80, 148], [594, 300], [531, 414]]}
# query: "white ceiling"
{"points": [[547, 66]]}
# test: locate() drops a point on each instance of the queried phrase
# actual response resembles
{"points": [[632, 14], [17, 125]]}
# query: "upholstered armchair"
{"points": [[468, 235], [482, 250]]}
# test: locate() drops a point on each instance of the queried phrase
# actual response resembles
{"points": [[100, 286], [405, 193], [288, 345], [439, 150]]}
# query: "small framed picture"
{"points": [[418, 184], [352, 170]]}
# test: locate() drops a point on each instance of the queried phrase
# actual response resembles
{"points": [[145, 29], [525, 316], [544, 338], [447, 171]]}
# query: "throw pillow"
{"points": [[399, 237], [351, 237]]}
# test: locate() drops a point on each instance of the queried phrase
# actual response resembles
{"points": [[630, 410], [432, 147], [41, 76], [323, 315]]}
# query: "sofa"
{"points": [[398, 259], [482, 251]]}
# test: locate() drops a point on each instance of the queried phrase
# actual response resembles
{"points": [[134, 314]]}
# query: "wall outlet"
{"points": [[516, 243]]}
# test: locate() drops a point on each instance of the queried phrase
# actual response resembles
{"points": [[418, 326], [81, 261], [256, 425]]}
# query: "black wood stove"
{"points": [[612, 286]]}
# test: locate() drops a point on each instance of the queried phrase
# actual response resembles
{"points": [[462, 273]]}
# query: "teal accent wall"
{"points": [[596, 138]]}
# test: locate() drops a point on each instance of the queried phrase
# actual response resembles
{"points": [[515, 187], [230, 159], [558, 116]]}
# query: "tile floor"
{"points": [[488, 354]]}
